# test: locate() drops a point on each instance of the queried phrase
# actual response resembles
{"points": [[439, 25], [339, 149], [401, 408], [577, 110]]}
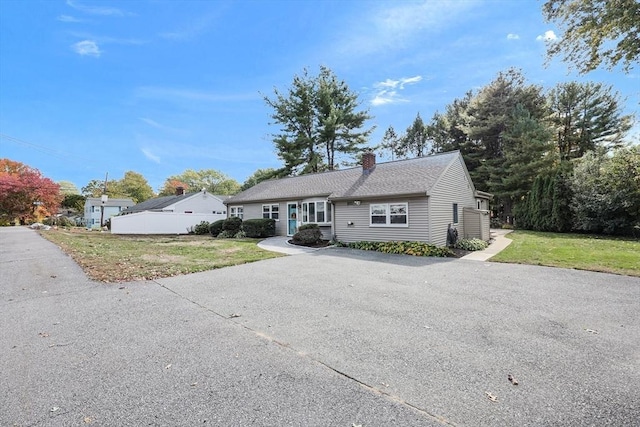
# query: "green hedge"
{"points": [[259, 227], [309, 227], [405, 248], [215, 227], [308, 236], [232, 225]]}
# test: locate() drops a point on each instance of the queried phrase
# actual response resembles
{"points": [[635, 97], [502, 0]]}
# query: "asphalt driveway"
{"points": [[332, 338]]}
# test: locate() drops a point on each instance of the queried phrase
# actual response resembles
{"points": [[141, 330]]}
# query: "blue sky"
{"points": [[89, 87]]}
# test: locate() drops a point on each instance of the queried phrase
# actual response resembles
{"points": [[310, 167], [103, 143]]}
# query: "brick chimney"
{"points": [[179, 191], [368, 162]]}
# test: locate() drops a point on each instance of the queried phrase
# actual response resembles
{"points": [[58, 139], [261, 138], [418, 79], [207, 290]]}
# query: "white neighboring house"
{"points": [[175, 214], [112, 207]]}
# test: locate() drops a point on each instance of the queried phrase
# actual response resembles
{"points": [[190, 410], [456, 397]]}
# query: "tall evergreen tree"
{"points": [[415, 142], [528, 153], [586, 116], [318, 123], [390, 141]]}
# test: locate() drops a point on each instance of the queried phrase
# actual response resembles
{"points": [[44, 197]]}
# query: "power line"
{"points": [[53, 152]]}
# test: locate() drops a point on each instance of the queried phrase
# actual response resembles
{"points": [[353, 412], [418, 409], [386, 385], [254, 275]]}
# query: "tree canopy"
{"points": [[258, 176], [25, 193], [213, 181], [318, 123], [595, 32], [133, 185]]}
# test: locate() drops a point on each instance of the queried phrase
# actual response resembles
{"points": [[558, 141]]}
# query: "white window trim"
{"points": [[388, 224], [233, 211], [327, 209], [270, 212]]}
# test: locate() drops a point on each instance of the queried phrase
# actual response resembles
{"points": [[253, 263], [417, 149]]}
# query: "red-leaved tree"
{"points": [[25, 194]]}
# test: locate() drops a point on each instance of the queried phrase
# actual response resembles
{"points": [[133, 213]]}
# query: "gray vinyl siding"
{"points": [[476, 224], [453, 186], [362, 231], [254, 210]]}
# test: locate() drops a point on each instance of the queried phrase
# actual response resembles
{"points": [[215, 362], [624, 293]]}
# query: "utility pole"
{"points": [[103, 200]]}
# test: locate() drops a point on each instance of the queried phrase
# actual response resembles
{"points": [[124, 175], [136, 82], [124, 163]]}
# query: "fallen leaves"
{"points": [[491, 397]]}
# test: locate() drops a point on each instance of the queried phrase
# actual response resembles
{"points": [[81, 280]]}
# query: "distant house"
{"points": [[416, 200], [93, 210], [175, 214]]}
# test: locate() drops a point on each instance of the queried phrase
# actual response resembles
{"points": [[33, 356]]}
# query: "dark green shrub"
{"points": [[60, 221], [232, 225], [202, 228], [308, 236], [259, 227], [406, 248], [226, 235], [215, 227], [308, 227]]}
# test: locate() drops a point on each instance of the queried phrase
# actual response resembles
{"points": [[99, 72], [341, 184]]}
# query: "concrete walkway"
{"points": [[498, 243], [281, 244]]}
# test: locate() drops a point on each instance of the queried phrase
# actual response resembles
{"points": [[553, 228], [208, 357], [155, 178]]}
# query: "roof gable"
{"points": [[401, 177], [160, 203], [97, 201]]}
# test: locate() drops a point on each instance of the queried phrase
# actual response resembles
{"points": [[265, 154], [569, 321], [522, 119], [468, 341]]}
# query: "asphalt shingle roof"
{"points": [[402, 177], [159, 203]]}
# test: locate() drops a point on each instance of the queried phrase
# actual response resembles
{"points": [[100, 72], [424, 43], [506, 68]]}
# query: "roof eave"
{"points": [[378, 196]]}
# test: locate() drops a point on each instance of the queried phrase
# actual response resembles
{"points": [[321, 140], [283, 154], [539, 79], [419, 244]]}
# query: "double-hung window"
{"points": [[270, 211], [316, 212], [389, 214], [236, 211]]}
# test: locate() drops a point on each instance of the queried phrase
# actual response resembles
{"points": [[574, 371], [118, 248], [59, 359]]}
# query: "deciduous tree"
{"points": [[25, 193], [213, 181], [135, 186], [595, 32]]}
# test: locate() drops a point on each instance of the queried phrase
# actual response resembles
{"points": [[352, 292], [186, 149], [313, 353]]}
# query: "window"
{"points": [[455, 213], [271, 211], [318, 212], [389, 214], [236, 211]]}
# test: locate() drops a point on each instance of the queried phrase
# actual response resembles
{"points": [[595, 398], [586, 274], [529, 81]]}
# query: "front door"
{"points": [[292, 218]]}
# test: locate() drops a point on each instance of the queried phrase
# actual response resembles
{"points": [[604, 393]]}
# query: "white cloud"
{"points": [[96, 10], [67, 18], [88, 48], [547, 36], [160, 126], [387, 93], [149, 155], [401, 25], [512, 36]]}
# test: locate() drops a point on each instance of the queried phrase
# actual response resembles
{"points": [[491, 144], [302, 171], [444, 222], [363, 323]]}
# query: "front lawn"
{"points": [[116, 258], [583, 252]]}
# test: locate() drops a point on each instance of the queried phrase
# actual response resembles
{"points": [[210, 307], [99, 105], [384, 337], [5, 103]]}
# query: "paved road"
{"points": [[332, 338]]}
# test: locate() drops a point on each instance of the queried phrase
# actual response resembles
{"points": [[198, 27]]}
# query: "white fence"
{"points": [[159, 222]]}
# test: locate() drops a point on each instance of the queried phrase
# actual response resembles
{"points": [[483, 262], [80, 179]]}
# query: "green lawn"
{"points": [[583, 252], [115, 258]]}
